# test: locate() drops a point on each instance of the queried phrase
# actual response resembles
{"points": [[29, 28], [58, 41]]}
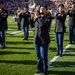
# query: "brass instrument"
{"points": [[31, 4], [16, 17]]}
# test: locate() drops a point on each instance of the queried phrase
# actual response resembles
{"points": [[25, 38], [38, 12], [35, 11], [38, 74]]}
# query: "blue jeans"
{"points": [[59, 37], [2, 38], [70, 33], [19, 25], [74, 34], [26, 32], [42, 54]]}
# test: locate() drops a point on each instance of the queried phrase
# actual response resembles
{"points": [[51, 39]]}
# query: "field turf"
{"points": [[19, 57]]}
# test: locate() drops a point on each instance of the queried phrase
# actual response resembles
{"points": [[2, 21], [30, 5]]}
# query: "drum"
{"points": [[15, 19]]}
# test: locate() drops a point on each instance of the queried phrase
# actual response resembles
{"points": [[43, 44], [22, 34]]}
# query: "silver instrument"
{"points": [[31, 4]]}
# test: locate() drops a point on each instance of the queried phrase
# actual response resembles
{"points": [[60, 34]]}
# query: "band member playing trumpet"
{"points": [[60, 29], [42, 38], [26, 16], [19, 18], [71, 13], [3, 24]]}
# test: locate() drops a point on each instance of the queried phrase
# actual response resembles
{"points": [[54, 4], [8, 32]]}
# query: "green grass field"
{"points": [[19, 57]]}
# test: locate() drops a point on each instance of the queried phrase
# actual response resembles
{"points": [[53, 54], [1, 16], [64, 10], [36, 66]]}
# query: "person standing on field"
{"points": [[3, 24], [60, 29], [71, 13], [42, 38], [26, 16]]}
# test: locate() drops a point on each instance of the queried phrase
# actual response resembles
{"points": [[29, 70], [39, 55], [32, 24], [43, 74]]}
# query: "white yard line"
{"points": [[9, 29], [15, 32], [23, 32], [55, 57]]}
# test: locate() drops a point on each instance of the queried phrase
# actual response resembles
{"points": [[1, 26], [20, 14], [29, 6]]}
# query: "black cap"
{"points": [[44, 5], [61, 5], [1, 2]]}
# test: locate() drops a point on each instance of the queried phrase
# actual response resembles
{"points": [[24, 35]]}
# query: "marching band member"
{"points": [[42, 39], [60, 29], [26, 16], [19, 16], [3, 24], [71, 14]]}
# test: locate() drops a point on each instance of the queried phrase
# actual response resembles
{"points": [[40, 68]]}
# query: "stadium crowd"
{"points": [[13, 5]]}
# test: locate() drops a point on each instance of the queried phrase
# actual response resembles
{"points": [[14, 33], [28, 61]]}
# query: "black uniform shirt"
{"points": [[3, 19], [42, 24], [60, 22], [71, 14]]}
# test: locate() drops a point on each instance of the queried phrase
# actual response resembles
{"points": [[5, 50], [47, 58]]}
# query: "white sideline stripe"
{"points": [[67, 47], [52, 60], [9, 29], [36, 74], [17, 32], [23, 33]]}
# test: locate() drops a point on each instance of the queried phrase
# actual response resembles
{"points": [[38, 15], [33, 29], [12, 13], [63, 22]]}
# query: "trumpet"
{"points": [[31, 4]]}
